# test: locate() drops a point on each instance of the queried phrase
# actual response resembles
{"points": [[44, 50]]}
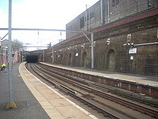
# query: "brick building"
{"points": [[125, 37], [16, 51]]}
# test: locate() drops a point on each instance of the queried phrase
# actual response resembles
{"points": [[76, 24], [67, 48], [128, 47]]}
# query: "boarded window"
{"points": [[81, 22]]}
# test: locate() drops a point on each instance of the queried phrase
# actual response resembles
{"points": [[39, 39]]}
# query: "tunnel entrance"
{"points": [[32, 58]]}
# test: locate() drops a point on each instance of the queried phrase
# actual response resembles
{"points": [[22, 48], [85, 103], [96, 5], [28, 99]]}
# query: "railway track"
{"points": [[81, 90], [114, 90]]}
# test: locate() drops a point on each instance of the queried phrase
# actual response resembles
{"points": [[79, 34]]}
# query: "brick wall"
{"points": [[111, 51]]}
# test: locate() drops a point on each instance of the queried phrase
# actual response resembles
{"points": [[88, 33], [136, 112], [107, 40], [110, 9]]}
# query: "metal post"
{"points": [[9, 51], [87, 16], [43, 55], [108, 11], [101, 11], [11, 104], [52, 55], [22, 54], [92, 51], [4, 54]]}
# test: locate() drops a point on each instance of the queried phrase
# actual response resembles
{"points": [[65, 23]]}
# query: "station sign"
{"points": [[132, 50]]}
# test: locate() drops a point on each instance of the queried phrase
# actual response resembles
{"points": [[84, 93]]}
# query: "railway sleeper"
{"points": [[68, 90], [95, 107], [127, 105], [82, 87]]}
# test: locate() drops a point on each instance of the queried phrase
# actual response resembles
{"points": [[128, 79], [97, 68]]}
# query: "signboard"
{"points": [[132, 50]]}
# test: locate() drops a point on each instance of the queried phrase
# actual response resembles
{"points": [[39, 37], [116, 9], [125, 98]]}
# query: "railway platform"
{"points": [[147, 85], [34, 99]]}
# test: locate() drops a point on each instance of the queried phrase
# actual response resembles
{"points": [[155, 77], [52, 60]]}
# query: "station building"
{"points": [[125, 38]]}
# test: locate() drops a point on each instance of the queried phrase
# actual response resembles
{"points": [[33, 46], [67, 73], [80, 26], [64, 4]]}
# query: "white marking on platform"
{"points": [[80, 108], [32, 79]]}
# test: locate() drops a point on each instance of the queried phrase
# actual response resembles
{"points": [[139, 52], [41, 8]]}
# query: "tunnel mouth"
{"points": [[32, 58]]}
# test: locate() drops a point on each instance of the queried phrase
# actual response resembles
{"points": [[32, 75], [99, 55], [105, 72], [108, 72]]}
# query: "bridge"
{"points": [[33, 47]]}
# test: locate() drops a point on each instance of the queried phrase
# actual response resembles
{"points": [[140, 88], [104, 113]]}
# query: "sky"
{"points": [[53, 14]]}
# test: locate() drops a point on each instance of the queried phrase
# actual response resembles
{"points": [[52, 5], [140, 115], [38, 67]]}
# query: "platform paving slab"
{"points": [[55, 104], [28, 105]]}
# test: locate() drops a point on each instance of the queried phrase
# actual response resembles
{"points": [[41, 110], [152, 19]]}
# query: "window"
{"points": [[81, 22], [113, 3], [92, 15]]}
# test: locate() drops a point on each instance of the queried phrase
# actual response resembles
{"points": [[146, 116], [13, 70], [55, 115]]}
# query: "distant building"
{"points": [[125, 37], [16, 51]]}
